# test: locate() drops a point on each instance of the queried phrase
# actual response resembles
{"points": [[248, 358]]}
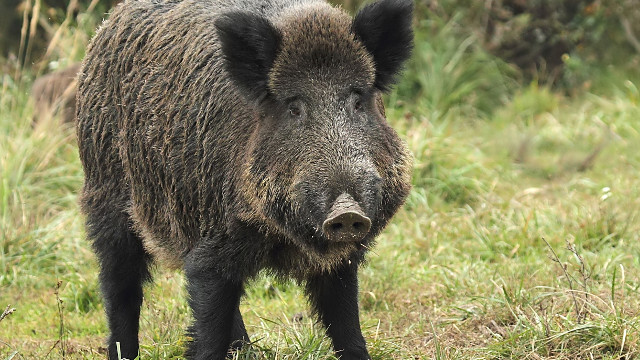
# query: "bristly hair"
{"points": [[249, 45], [319, 47], [384, 27]]}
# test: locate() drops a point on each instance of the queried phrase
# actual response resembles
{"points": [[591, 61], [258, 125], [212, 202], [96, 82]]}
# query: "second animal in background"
{"points": [[54, 95]]}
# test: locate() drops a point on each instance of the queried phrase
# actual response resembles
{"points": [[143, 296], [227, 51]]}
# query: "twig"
{"points": [[33, 27], [8, 311], [73, 4], [628, 31], [569, 279], [584, 273], [53, 347], [23, 39], [61, 316], [488, 6], [588, 162]]}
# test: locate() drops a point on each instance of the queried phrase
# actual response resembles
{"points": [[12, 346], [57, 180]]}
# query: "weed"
{"points": [[6, 312]]}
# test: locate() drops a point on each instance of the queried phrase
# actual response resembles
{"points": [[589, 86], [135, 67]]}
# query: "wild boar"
{"points": [[229, 137], [55, 94]]}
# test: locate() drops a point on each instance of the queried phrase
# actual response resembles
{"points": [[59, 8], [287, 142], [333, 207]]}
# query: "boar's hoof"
{"points": [[346, 221]]}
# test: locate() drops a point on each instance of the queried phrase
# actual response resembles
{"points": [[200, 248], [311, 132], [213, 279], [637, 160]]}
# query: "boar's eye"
{"points": [[295, 110]]}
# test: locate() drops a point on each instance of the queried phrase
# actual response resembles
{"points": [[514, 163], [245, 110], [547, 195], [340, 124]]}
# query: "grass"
{"points": [[520, 239]]}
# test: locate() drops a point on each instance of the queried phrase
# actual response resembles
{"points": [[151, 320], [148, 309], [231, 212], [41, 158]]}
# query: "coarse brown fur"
{"points": [[180, 155], [200, 160], [55, 94]]}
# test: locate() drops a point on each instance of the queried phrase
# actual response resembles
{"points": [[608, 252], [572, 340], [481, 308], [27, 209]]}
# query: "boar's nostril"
{"points": [[346, 221]]}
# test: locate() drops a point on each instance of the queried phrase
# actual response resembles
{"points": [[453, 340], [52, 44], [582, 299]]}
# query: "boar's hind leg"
{"points": [[123, 270], [214, 301], [334, 298]]}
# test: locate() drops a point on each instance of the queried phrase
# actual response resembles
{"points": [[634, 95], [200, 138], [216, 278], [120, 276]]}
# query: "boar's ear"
{"points": [[249, 45], [384, 27]]}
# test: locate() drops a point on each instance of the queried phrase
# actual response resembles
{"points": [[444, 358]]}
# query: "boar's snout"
{"points": [[346, 220]]}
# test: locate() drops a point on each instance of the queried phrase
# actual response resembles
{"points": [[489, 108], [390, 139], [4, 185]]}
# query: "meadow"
{"points": [[519, 240]]}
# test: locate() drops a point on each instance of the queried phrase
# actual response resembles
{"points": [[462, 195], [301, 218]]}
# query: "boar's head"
{"points": [[323, 168]]}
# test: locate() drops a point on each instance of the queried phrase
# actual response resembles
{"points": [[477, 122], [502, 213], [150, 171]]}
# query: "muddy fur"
{"points": [[215, 135], [55, 94]]}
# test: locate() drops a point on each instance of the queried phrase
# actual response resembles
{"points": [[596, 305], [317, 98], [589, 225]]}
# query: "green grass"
{"points": [[520, 239]]}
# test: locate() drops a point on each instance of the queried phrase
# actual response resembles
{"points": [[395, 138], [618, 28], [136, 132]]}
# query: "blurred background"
{"points": [[553, 41]]}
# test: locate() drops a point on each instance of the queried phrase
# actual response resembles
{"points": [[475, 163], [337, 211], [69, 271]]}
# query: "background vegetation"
{"points": [[520, 239]]}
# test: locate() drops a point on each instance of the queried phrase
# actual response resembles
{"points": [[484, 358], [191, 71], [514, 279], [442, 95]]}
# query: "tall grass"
{"points": [[451, 76]]}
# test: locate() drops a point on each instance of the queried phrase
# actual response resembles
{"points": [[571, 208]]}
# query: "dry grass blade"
{"points": [[33, 28], [23, 38], [7, 311], [580, 314], [628, 31], [73, 4]]}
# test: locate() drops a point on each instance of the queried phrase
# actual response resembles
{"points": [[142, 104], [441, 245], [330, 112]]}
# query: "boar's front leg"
{"points": [[124, 267], [239, 335], [334, 298], [214, 300]]}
